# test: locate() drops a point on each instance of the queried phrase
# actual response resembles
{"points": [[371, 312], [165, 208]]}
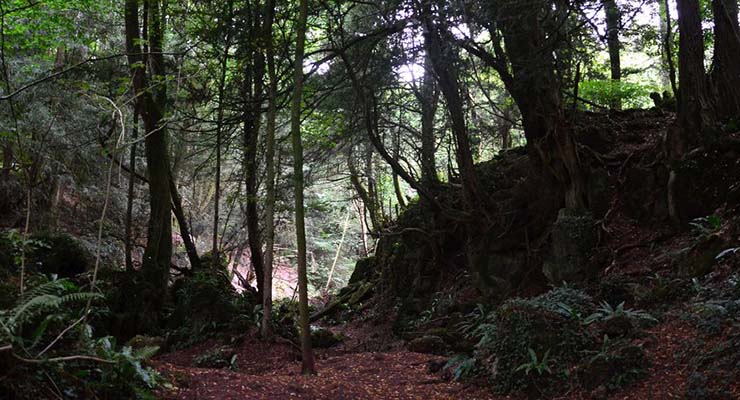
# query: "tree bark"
{"points": [[219, 132], [150, 103], [428, 100], [266, 328], [253, 95], [307, 363], [613, 26], [695, 109], [726, 64], [128, 248], [442, 63], [535, 88]]}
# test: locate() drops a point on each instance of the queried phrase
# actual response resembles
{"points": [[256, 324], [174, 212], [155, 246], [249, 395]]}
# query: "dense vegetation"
{"points": [[541, 196]]}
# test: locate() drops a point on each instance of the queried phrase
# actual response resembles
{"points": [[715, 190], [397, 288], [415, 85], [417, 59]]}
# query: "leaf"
{"points": [[727, 252]]}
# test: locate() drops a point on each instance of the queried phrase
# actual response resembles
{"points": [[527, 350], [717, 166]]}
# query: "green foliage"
{"points": [[462, 366], [219, 357], [540, 366], [520, 329], [47, 304], [42, 322], [605, 92], [706, 226], [206, 304], [606, 312], [615, 364]]}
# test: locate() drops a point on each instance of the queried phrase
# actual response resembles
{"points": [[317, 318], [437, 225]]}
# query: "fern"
{"points": [[46, 302]]}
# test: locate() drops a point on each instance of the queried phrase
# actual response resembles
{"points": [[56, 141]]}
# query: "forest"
{"points": [[352, 199]]}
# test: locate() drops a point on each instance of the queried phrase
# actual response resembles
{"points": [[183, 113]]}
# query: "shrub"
{"points": [[205, 304], [604, 92], [48, 347], [541, 334]]}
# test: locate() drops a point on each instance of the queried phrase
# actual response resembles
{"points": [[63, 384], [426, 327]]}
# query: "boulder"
{"points": [[323, 338], [573, 240], [363, 270], [428, 344]]}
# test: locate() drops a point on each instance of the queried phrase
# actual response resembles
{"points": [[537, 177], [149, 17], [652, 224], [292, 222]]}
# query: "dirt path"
{"points": [[369, 375]]}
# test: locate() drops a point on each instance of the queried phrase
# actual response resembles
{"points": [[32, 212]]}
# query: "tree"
{"points": [[223, 65], [253, 96], [523, 57], [726, 64], [613, 26], [695, 108], [438, 41], [270, 166], [307, 362], [151, 98]]}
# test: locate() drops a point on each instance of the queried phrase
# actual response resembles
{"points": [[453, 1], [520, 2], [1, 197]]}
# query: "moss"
{"points": [[58, 254]]}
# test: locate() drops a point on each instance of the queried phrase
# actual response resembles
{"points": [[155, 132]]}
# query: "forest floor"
{"points": [[373, 364], [272, 371]]}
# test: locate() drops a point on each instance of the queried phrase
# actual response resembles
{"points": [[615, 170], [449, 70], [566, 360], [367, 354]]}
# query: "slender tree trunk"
{"points": [[150, 103], [307, 365], [367, 202], [128, 248], [394, 176], [182, 222], [613, 26], [442, 63], [270, 167], [668, 46], [219, 133], [368, 106], [726, 65], [504, 126], [428, 99], [254, 74]]}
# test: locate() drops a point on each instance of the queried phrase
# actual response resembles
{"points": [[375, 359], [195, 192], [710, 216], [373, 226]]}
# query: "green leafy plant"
{"points": [[462, 366], [706, 226], [606, 312], [536, 364]]}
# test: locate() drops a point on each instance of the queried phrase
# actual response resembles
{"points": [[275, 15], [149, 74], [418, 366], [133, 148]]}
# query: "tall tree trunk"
{"points": [[726, 65], [695, 109], [307, 363], [270, 167], [254, 75], [613, 26], [150, 103], [536, 89], [219, 132], [128, 248], [668, 46], [428, 99]]}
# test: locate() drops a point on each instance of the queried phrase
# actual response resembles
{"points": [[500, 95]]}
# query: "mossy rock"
{"points": [[700, 258], [140, 342], [428, 344], [58, 254], [323, 338], [618, 364], [573, 239], [364, 269]]}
